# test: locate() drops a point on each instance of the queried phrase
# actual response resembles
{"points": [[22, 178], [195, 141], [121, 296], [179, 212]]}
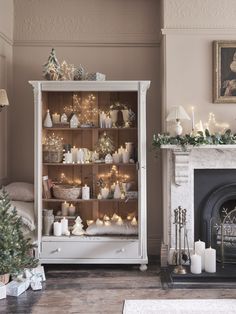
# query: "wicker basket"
{"points": [[52, 156], [66, 192], [5, 278]]}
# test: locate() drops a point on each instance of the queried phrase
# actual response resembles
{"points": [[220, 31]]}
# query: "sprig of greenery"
{"points": [[201, 138]]}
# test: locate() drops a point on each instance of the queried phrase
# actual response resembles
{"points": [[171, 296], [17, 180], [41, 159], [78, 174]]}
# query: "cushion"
{"points": [[101, 229], [20, 191], [26, 211]]}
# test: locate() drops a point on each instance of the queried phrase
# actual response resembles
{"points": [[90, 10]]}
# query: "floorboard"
{"points": [[98, 289]]}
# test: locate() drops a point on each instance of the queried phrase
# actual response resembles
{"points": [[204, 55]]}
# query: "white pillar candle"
{"points": [[210, 260], [80, 156], [105, 192], [71, 210], [130, 148], [125, 156], [99, 197], [64, 208], [68, 158], [200, 250], [55, 118], [196, 264], [57, 231], [120, 150], [102, 117], [116, 157], [85, 192], [117, 192], [64, 225], [74, 152], [108, 122]]}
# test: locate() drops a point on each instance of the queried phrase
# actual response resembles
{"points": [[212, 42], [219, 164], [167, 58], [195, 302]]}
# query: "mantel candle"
{"points": [[85, 192], [210, 260], [196, 267], [200, 250], [193, 119]]}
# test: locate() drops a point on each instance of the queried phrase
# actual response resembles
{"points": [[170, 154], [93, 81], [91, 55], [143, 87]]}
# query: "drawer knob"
{"points": [[58, 250], [121, 250]]}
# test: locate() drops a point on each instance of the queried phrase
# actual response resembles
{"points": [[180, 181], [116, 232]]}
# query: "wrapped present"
{"points": [[95, 76], [3, 292], [36, 283], [35, 272], [16, 288]]}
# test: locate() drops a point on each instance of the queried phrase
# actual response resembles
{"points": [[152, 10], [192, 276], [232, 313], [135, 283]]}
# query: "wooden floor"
{"points": [[99, 289]]}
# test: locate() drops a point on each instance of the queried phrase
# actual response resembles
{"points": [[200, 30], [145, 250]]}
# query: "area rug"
{"points": [[209, 306]]}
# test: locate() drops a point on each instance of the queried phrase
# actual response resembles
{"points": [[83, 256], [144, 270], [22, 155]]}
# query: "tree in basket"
{"points": [[14, 248]]}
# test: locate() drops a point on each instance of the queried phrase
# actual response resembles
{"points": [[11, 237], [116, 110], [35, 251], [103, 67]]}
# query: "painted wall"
{"points": [[6, 37], [118, 38], [189, 29]]}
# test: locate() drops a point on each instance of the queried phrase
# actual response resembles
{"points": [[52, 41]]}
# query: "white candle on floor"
{"points": [[200, 250], [196, 267], [210, 260]]}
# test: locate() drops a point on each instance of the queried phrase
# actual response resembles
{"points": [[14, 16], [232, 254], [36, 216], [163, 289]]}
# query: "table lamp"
{"points": [[177, 113], [3, 99]]}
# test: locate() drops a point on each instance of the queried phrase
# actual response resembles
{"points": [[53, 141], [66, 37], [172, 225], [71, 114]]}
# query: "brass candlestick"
{"points": [[180, 223]]}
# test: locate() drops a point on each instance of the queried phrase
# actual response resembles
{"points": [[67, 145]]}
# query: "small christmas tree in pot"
{"points": [[14, 248]]}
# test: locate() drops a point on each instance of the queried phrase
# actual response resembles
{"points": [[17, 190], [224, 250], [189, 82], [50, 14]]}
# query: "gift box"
{"points": [[95, 76], [35, 272], [16, 288], [3, 292]]}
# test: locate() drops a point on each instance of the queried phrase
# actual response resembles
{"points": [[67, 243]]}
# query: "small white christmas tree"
{"points": [[77, 229], [52, 69]]}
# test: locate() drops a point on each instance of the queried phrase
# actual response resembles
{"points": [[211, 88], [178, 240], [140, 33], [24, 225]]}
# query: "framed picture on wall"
{"points": [[224, 71]]}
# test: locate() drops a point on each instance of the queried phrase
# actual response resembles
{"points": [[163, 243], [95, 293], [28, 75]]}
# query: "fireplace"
{"points": [[202, 180], [214, 197]]}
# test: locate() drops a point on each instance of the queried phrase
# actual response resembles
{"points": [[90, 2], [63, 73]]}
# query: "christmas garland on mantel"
{"points": [[197, 139]]}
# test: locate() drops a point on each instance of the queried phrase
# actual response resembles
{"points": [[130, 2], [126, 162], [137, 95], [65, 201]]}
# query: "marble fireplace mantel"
{"points": [[178, 181]]}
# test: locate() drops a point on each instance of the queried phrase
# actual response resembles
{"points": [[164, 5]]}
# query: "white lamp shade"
{"points": [[3, 98], [177, 112]]}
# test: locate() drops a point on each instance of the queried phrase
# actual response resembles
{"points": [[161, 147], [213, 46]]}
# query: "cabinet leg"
{"points": [[143, 267]]}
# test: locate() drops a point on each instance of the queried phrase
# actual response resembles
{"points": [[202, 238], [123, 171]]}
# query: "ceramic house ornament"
{"points": [[47, 121], [64, 118], [74, 121]]}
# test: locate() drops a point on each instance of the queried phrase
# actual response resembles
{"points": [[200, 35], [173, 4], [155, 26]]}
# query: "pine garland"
{"points": [[228, 138], [14, 248]]}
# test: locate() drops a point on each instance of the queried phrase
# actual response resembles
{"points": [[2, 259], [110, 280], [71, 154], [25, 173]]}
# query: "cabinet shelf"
{"points": [[89, 164], [79, 200], [90, 129]]}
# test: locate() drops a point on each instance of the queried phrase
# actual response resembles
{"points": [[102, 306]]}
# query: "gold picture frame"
{"points": [[224, 71]]}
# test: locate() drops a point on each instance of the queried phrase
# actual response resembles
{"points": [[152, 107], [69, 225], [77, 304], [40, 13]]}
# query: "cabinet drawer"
{"points": [[93, 250]]}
